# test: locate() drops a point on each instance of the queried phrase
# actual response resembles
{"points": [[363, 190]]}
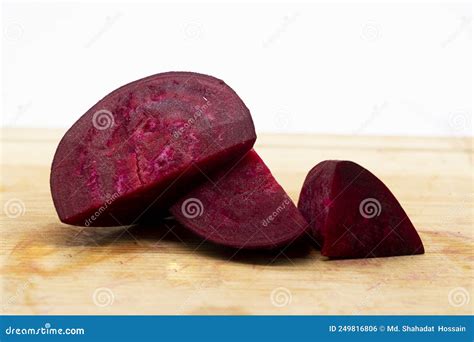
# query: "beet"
{"points": [[241, 206], [141, 145], [352, 214]]}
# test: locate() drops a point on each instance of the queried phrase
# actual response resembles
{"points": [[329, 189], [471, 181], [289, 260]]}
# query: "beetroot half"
{"points": [[241, 206], [352, 214], [143, 143]]}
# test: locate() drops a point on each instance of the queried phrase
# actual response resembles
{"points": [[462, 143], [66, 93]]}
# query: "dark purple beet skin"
{"points": [[142, 145], [241, 206], [352, 214]]}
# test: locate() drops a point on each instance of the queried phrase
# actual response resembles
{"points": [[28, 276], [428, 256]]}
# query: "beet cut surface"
{"points": [[142, 144], [241, 206], [352, 214]]}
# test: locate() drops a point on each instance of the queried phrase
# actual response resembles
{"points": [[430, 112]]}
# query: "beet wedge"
{"points": [[141, 145], [241, 206], [352, 214]]}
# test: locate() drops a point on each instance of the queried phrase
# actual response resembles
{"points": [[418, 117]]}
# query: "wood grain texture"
{"points": [[51, 268]]}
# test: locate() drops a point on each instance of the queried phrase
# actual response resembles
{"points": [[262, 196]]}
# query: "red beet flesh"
{"points": [[141, 145], [352, 214], [241, 206]]}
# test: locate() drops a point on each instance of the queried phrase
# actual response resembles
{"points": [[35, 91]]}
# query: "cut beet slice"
{"points": [[142, 144], [241, 206], [352, 214]]}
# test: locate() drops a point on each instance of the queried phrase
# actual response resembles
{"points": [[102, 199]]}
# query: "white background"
{"points": [[385, 69]]}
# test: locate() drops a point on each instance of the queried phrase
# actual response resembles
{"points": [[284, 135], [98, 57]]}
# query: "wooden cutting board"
{"points": [[51, 268]]}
